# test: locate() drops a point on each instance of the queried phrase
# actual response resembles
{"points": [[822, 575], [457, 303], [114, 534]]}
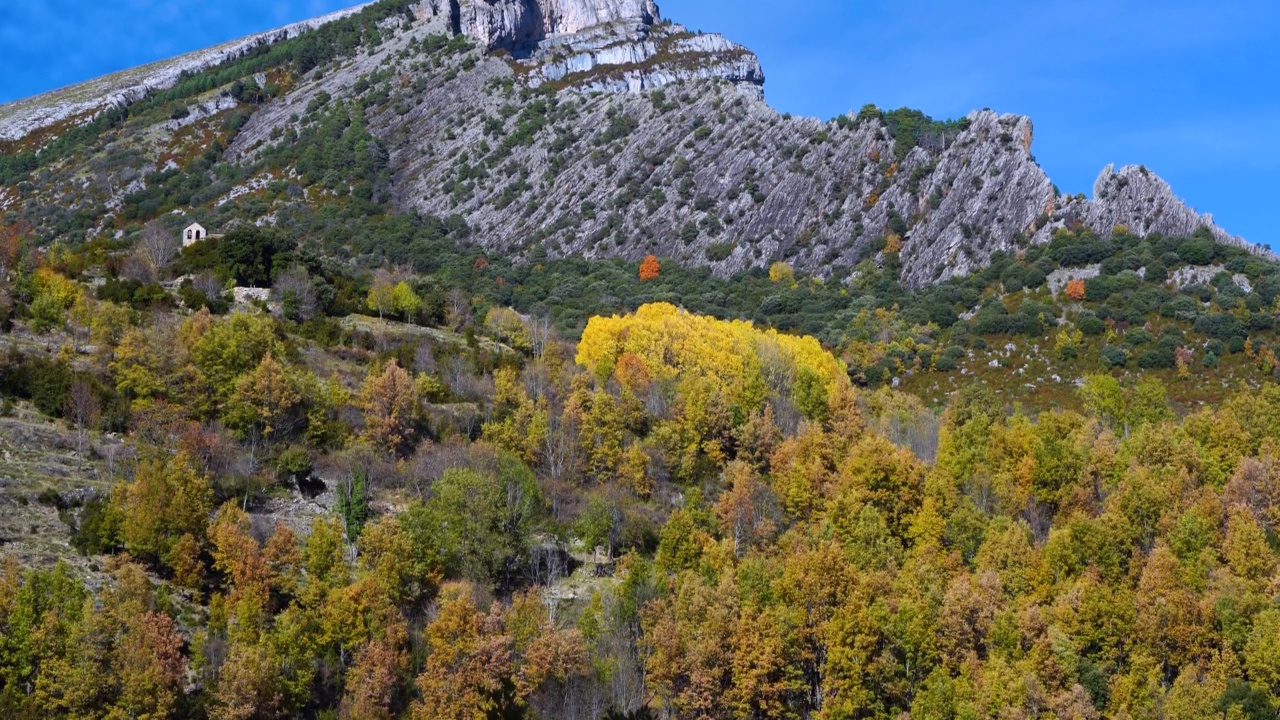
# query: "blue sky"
{"points": [[1187, 88]]}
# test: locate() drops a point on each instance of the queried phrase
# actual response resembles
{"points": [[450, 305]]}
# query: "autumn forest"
{"points": [[359, 450]]}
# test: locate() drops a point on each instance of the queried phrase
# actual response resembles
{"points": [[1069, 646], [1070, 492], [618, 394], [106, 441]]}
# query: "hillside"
{"points": [[534, 368], [530, 155], [592, 130]]}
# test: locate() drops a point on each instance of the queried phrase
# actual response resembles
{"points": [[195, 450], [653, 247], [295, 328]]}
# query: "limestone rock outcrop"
{"points": [[516, 24], [598, 45], [1137, 198]]}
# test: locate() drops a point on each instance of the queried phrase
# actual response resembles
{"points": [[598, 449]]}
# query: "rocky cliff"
{"points": [[597, 45], [595, 128]]}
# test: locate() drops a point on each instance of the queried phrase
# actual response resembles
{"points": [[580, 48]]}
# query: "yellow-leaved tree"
{"points": [[744, 363]]}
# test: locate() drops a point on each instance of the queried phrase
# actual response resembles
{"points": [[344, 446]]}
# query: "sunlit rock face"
{"points": [[599, 45]]}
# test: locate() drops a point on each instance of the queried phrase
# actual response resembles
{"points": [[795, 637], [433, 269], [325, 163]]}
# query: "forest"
{"points": [[674, 516], [338, 461]]}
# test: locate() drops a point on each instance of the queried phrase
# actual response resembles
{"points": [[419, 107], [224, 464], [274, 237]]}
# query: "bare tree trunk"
{"points": [[84, 412], [158, 247]]}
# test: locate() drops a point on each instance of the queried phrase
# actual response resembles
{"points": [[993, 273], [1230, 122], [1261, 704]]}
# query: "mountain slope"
{"points": [[24, 117], [593, 128]]}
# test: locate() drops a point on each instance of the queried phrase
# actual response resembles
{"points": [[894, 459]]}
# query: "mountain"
{"points": [[404, 436], [574, 128]]}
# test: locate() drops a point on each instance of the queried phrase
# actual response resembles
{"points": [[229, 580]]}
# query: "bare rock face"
{"points": [[516, 24], [598, 45], [566, 17], [1140, 200], [637, 57], [984, 193]]}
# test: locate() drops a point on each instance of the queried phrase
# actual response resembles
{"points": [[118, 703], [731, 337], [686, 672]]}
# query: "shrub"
{"points": [[1100, 288], [991, 324], [1112, 266], [48, 382], [1112, 356], [196, 299], [94, 527], [949, 358], [1196, 252], [1091, 324], [717, 252], [1198, 291], [1157, 359], [1012, 279], [1070, 251], [650, 269], [1219, 325], [1181, 307], [1032, 308], [1138, 336], [47, 314]]}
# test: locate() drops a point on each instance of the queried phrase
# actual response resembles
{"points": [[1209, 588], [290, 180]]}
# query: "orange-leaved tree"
{"points": [[1075, 290], [649, 268]]}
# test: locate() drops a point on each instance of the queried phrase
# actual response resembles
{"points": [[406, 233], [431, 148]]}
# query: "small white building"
{"points": [[193, 234]]}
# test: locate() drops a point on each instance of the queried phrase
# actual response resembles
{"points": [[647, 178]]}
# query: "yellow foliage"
{"points": [[507, 325], [737, 356], [1068, 341], [781, 272], [64, 291]]}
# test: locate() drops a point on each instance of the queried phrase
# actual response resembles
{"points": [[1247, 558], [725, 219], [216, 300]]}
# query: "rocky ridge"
{"points": [[85, 100], [1137, 198], [595, 129]]}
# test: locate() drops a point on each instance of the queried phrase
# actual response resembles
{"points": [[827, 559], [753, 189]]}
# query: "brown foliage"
{"points": [[390, 402], [247, 686], [150, 666], [237, 554], [1170, 622], [747, 509], [1256, 486], [374, 680], [469, 659], [11, 237]]}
